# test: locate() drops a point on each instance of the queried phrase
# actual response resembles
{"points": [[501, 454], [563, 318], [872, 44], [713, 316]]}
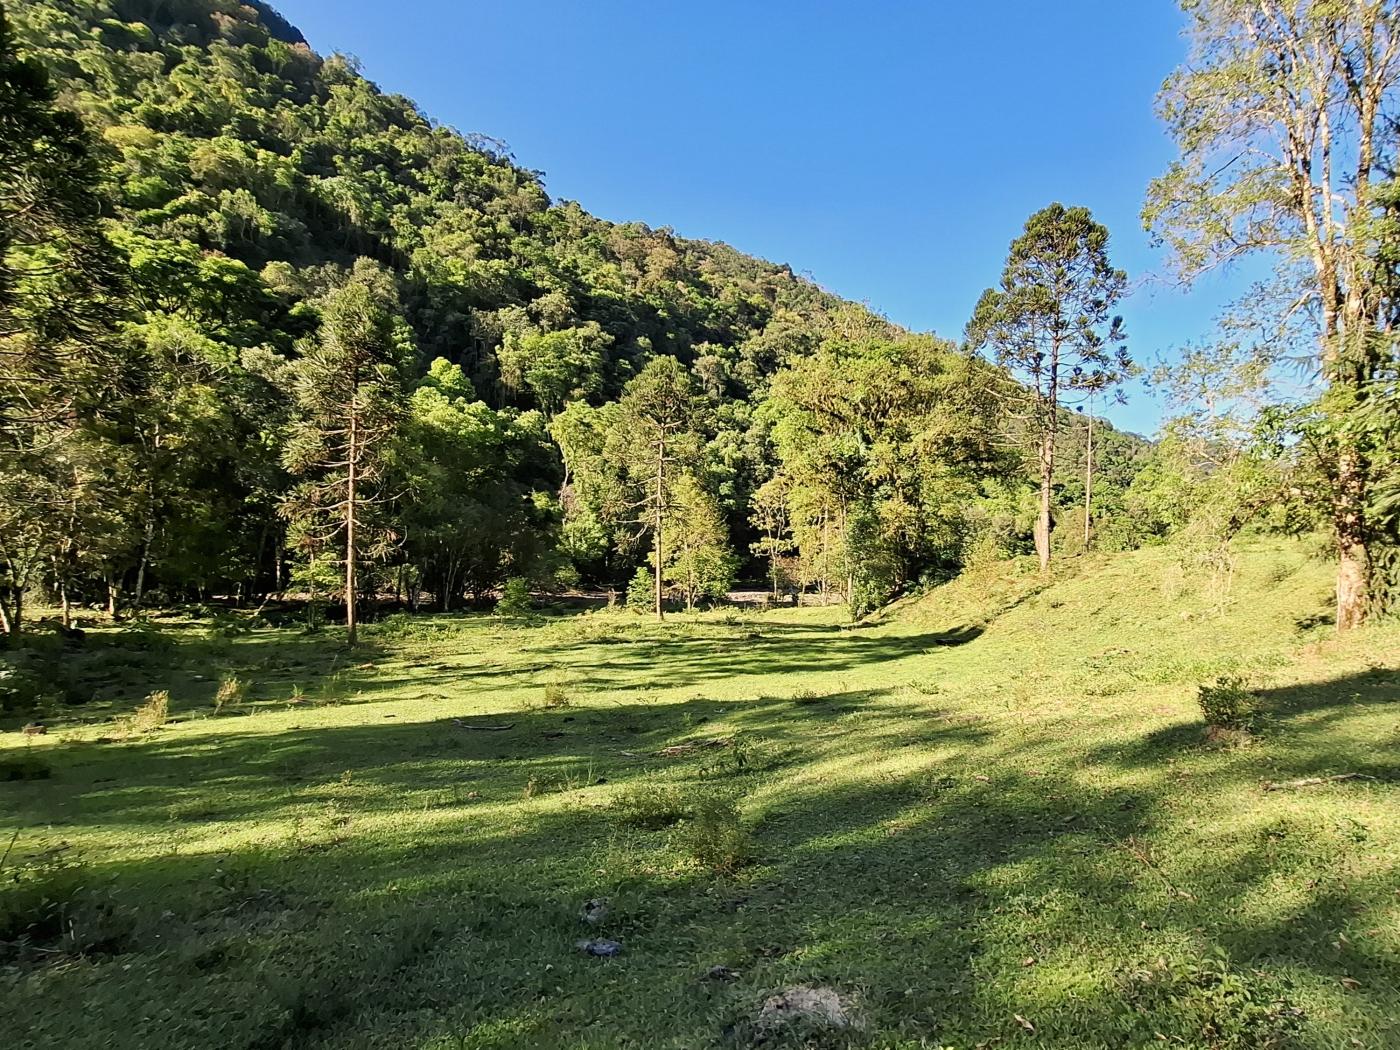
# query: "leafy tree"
{"points": [[882, 443], [59, 296], [349, 397], [555, 366], [657, 436], [1051, 325], [1282, 117], [478, 507], [699, 562], [772, 516]]}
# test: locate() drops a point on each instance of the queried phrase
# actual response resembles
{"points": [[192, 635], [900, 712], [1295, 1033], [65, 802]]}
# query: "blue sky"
{"points": [[889, 150]]}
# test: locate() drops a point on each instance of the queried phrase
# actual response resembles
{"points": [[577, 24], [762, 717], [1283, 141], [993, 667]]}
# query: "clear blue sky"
{"points": [[889, 149]]}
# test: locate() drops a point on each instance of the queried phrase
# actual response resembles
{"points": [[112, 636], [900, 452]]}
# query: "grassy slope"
{"points": [[999, 804]]}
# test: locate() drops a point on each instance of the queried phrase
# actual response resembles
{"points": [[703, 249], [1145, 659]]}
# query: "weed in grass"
{"points": [[555, 696], [651, 806], [153, 713], [807, 695], [1212, 1005], [715, 836], [231, 694]]}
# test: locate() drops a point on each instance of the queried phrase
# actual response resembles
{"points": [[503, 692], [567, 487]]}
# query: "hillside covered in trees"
{"points": [[249, 208]]}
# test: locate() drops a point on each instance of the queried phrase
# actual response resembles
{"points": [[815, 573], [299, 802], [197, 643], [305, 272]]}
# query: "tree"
{"points": [[659, 417], [1283, 118], [881, 442], [1051, 325], [772, 516], [60, 295], [350, 398], [555, 366], [699, 562]]}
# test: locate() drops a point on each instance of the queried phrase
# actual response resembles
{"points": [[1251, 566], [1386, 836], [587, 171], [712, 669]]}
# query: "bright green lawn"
{"points": [[996, 803]]}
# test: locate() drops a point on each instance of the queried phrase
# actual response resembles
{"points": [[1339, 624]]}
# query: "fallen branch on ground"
{"points": [[482, 729], [1306, 782], [694, 745]]}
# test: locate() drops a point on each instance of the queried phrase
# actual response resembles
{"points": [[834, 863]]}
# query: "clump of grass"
{"points": [[715, 836], [651, 806], [555, 696], [231, 694], [153, 713], [1213, 1005], [1228, 703], [806, 695]]}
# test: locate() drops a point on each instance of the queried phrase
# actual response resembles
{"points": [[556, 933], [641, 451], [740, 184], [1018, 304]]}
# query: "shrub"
{"points": [[515, 598], [1228, 703], [555, 695], [651, 806], [231, 693], [152, 714], [21, 691], [715, 836], [641, 592]]}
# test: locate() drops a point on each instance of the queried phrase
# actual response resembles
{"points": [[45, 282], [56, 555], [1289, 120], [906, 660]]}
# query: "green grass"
{"points": [[995, 802]]}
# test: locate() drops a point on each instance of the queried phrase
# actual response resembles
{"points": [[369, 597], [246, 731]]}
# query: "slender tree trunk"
{"points": [[1353, 561], [1089, 484], [5, 626], [660, 515], [147, 536], [351, 632], [66, 607], [112, 590], [1042, 520]]}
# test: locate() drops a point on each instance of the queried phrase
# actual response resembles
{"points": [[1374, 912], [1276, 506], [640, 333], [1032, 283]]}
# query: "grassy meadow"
{"points": [[988, 819]]}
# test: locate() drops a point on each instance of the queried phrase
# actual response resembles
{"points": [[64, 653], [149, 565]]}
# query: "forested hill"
{"points": [[246, 182], [226, 133]]}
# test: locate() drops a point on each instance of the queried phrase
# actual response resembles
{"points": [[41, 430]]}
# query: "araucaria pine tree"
{"points": [[350, 399], [1051, 325]]}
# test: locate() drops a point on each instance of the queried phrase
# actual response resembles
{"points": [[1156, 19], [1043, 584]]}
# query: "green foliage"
{"points": [[652, 806], [641, 591], [231, 694], [1228, 703], [715, 836], [515, 598]]}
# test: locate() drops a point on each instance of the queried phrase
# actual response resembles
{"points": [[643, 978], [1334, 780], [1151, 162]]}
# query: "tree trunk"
{"points": [[112, 590], [1089, 485], [660, 511], [351, 632], [1042, 520], [147, 536], [5, 627], [1353, 562]]}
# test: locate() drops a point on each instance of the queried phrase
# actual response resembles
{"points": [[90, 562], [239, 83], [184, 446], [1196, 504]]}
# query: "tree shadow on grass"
{"points": [[1291, 743], [945, 898]]}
